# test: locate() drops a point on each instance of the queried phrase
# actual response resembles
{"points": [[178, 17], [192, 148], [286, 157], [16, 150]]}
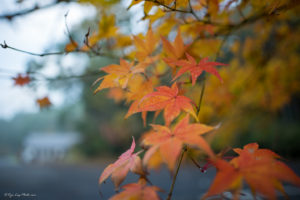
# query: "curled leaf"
{"points": [[128, 161]]}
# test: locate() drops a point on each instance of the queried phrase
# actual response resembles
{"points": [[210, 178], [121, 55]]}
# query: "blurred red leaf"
{"points": [[21, 80], [138, 191]]}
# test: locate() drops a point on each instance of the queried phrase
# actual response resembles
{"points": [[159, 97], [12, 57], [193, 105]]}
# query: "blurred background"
{"points": [[59, 151]]}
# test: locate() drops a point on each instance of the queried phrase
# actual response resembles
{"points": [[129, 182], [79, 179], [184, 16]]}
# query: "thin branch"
{"points": [[62, 78], [169, 7], [86, 42], [195, 162], [257, 17], [10, 16], [176, 173], [201, 98], [68, 30], [226, 29], [5, 46], [190, 11], [43, 77], [193, 12]]}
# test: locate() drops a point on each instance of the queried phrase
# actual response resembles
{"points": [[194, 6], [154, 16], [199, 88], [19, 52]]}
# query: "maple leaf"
{"points": [[145, 47], [174, 51], [43, 102], [170, 141], [116, 94], [168, 99], [138, 191], [195, 68], [258, 167], [119, 169], [21, 80], [106, 27], [119, 75], [147, 5], [253, 148], [72, 46], [137, 91]]}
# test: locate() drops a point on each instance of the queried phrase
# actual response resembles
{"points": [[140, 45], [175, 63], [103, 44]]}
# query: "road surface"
{"points": [[80, 182]]}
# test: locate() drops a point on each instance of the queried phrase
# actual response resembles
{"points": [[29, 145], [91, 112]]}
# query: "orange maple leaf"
{"points": [[72, 46], [119, 75], [21, 80], [145, 47], [258, 167], [136, 92], [168, 99], [43, 102], [195, 68], [119, 169], [174, 51], [253, 148], [169, 142], [138, 191]]}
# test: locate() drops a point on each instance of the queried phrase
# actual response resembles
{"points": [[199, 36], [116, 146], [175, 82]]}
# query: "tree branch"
{"points": [[6, 46], [96, 53], [184, 149], [200, 98], [190, 11], [10, 16]]}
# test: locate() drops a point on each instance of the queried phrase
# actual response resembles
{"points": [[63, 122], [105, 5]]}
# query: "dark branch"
{"points": [[10, 16], [227, 29], [86, 75], [94, 50], [6, 46]]}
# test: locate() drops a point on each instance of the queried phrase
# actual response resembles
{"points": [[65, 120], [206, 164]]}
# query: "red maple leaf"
{"points": [[259, 168], [196, 69], [169, 142], [119, 169], [138, 191], [168, 99], [21, 80]]}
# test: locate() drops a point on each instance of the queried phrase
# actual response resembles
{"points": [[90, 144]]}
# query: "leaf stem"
{"points": [[201, 97], [176, 173]]}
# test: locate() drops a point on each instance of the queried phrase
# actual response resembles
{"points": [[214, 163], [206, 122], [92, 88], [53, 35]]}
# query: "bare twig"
{"points": [[5, 46], [190, 11], [10, 16], [184, 149], [193, 12], [201, 97], [68, 30], [86, 42], [62, 78]]}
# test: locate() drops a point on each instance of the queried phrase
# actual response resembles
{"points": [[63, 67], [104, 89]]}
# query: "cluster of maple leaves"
{"points": [[139, 79], [260, 168]]}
